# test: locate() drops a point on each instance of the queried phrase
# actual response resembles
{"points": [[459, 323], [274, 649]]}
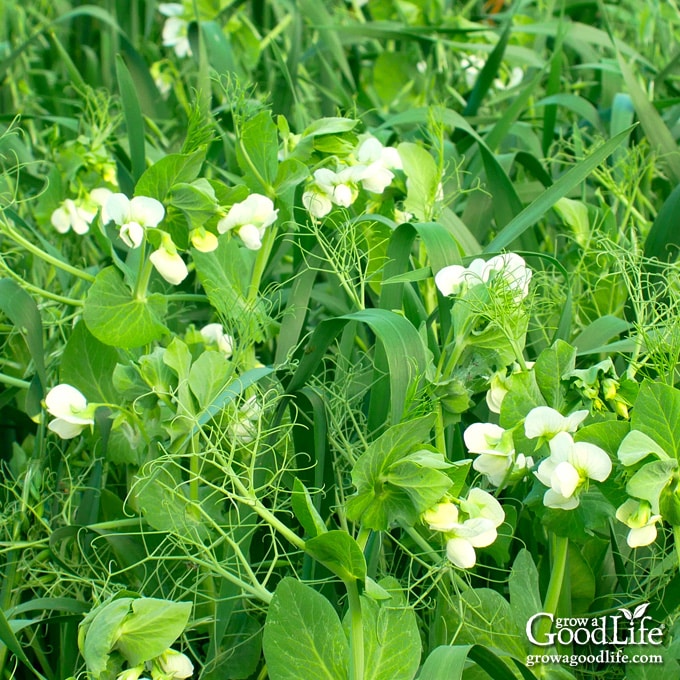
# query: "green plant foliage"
{"points": [[339, 339]]}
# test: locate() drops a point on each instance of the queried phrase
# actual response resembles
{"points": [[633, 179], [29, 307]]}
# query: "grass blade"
{"points": [[571, 179]]}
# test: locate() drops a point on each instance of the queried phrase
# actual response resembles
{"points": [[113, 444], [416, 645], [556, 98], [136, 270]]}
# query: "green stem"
{"points": [[17, 238], [144, 274], [676, 537], [440, 439], [14, 382], [552, 597], [194, 472], [356, 660], [362, 537], [432, 554], [261, 262]]}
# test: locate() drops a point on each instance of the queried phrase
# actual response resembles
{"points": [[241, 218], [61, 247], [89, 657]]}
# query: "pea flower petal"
{"points": [[544, 421], [178, 666]]}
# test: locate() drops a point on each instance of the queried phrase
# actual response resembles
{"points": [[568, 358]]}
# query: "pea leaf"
{"points": [[339, 553], [657, 414], [174, 168], [88, 364], [151, 627], [303, 636], [115, 317], [397, 477], [391, 638]]}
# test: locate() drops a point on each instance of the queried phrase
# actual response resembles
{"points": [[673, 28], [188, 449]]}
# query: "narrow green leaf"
{"points": [[660, 137], [304, 510], [21, 310], [571, 179], [321, 20], [133, 119], [488, 73], [663, 239], [9, 639]]}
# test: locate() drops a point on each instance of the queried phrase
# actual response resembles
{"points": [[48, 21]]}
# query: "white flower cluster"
{"points": [[496, 459], [469, 524], [510, 267], [175, 28], [213, 334], [72, 414], [372, 171], [571, 464], [472, 64], [641, 514], [249, 219], [170, 665]]}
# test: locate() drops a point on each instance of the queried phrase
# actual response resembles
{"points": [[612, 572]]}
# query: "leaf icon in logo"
{"points": [[640, 610], [626, 613]]}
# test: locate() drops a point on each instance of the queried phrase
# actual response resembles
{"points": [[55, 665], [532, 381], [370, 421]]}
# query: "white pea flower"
{"points": [[484, 514], [168, 262], [496, 452], [515, 78], [70, 409], [509, 267], [546, 422], [371, 150], [568, 468], [100, 196], [133, 216], [175, 29], [176, 665], [472, 64], [637, 516], [213, 334], [442, 517], [203, 240], [131, 673], [332, 188], [249, 219], [378, 162], [402, 216], [514, 272], [245, 427], [498, 386], [455, 278], [72, 215]]}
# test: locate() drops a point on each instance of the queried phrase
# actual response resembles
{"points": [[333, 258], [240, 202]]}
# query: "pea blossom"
{"points": [[175, 665], [378, 161], [131, 673], [175, 28], [168, 262], [546, 422], [637, 516], [568, 468], [469, 525], [70, 409], [332, 188], [213, 334], [204, 241], [249, 219], [244, 428], [509, 267], [72, 215], [498, 386], [133, 216], [496, 452]]}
